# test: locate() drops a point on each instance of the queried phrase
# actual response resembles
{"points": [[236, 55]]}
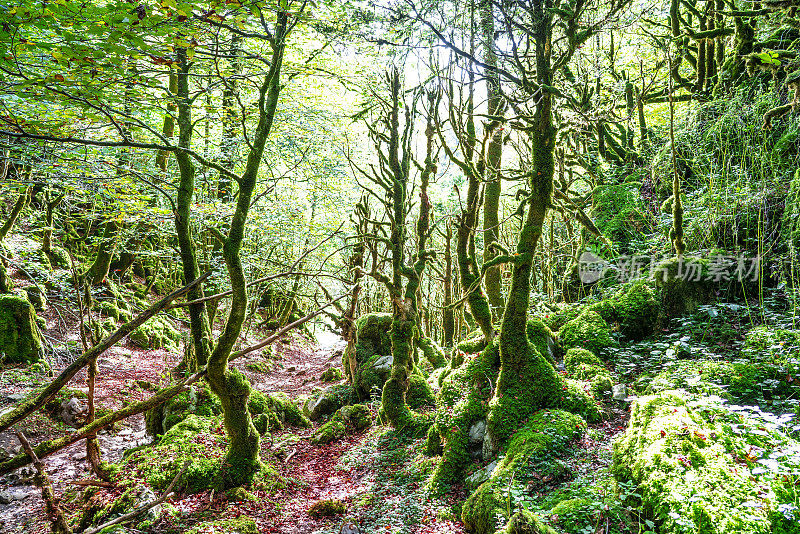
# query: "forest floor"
{"points": [[379, 475]]}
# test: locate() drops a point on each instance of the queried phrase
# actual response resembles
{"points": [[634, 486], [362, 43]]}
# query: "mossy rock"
{"points": [[634, 308], [534, 456], [688, 480], [420, 396], [332, 374], [327, 508], [59, 257], [588, 331], [356, 417], [327, 401], [20, 341], [156, 333], [330, 431], [37, 298], [240, 525], [577, 356], [159, 464], [197, 400], [287, 413], [526, 522], [684, 285], [109, 308]]}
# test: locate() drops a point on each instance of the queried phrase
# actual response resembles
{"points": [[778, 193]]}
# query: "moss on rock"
{"points": [[526, 522], [684, 285], [534, 456], [327, 508], [240, 525], [330, 431], [20, 341], [688, 481], [332, 374], [589, 331], [156, 333], [576, 357]]}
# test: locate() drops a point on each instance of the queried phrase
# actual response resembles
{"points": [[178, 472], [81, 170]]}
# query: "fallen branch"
{"points": [[99, 483], [27, 407], [57, 522], [54, 445], [145, 507]]}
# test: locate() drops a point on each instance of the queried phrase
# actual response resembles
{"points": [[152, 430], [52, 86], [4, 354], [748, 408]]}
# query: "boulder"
{"points": [[20, 341]]}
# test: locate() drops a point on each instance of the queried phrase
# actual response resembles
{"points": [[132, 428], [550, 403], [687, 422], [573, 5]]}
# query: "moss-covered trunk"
{"points": [[19, 205], [527, 380], [98, 271], [494, 155], [198, 315], [242, 460], [230, 120]]}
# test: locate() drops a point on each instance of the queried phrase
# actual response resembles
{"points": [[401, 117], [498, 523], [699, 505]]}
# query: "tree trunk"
{"points": [[98, 271], [242, 462], [19, 205], [494, 154], [527, 381], [230, 105], [198, 315]]}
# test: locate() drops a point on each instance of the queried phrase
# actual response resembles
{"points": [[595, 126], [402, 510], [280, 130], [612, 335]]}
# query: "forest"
{"points": [[407, 266]]}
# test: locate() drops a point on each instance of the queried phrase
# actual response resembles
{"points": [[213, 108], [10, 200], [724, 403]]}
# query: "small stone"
{"points": [[477, 432], [79, 456], [481, 475], [619, 392], [15, 397], [383, 364], [9, 496]]}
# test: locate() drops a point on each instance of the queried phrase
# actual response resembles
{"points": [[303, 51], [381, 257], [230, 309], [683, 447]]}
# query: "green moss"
{"points": [[333, 374], [20, 341], [564, 314], [541, 337], [688, 481], [330, 399], [259, 366], [327, 508], [474, 343], [533, 458], [356, 417], [432, 352], [156, 333], [683, 285], [575, 516], [634, 308], [589, 331], [620, 214], [525, 522], [462, 401], [420, 396], [109, 308], [577, 356], [330, 431], [240, 525], [183, 444]]}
